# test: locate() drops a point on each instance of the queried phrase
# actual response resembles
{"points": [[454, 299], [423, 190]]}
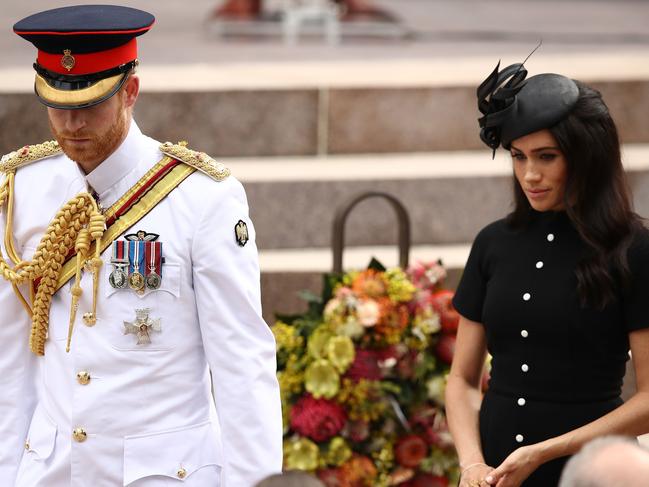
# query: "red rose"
{"points": [[318, 419], [429, 480], [442, 302], [410, 450], [445, 348], [365, 366]]}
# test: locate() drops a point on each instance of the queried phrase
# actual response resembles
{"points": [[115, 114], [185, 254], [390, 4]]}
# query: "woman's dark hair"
{"points": [[597, 198]]}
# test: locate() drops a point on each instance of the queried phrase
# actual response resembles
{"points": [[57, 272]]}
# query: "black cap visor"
{"points": [[74, 92]]}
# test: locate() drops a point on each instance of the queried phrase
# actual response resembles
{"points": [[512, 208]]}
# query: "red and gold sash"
{"points": [[138, 201]]}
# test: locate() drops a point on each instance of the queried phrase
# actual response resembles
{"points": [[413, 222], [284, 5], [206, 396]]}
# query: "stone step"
{"points": [[335, 107], [449, 195]]}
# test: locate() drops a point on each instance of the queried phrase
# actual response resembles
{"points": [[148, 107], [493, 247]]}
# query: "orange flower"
{"points": [[370, 283], [358, 472]]}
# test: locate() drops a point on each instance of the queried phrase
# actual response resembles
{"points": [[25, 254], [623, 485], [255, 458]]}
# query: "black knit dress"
{"points": [[555, 365]]}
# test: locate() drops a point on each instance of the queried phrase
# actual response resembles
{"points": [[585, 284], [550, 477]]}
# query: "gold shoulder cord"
{"points": [[73, 227], [197, 160]]}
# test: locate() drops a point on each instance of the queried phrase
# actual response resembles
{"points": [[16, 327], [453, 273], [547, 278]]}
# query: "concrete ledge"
{"points": [[320, 260], [402, 166], [445, 206], [467, 71], [317, 120]]}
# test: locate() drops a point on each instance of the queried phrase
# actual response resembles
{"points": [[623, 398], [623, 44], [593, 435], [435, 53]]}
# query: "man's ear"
{"points": [[131, 90]]}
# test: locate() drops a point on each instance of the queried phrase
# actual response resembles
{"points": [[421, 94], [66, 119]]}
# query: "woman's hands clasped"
{"points": [[474, 475], [513, 471]]}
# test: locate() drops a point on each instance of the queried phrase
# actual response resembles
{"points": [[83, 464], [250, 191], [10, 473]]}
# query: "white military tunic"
{"points": [[115, 413]]}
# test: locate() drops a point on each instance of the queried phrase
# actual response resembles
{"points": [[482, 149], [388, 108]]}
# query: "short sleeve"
{"points": [[635, 302], [470, 294]]}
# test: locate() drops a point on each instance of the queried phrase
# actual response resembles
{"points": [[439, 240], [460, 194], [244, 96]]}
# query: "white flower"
{"points": [[435, 388], [368, 313], [351, 328]]}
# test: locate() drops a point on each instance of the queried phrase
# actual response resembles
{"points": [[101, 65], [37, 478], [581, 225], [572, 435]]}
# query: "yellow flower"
{"points": [[428, 322], [400, 289], [341, 353], [289, 382], [286, 336], [321, 379], [317, 343], [362, 399], [338, 452], [301, 454]]}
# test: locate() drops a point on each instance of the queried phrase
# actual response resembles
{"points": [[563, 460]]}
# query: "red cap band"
{"points": [[95, 62]]}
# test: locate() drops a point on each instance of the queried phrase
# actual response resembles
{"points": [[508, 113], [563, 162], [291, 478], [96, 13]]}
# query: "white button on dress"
{"points": [[525, 367], [519, 438], [550, 237], [526, 296], [539, 264], [521, 401], [524, 333]]}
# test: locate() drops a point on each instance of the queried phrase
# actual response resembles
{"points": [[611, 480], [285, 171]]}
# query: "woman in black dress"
{"points": [[556, 292]]}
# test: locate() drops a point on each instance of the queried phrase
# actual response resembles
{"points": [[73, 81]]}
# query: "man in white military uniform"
{"points": [[135, 294]]}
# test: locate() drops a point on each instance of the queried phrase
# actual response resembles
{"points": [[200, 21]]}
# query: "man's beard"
{"points": [[99, 147]]}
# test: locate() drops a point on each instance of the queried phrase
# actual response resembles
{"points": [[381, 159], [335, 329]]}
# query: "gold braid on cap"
{"points": [[73, 227]]}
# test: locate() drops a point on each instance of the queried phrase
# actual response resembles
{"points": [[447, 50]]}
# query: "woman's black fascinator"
{"points": [[513, 106]]}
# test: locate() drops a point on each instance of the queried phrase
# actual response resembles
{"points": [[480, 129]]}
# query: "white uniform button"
{"points": [[519, 438], [525, 367], [539, 264], [526, 296], [521, 401], [550, 237], [524, 333], [79, 435]]}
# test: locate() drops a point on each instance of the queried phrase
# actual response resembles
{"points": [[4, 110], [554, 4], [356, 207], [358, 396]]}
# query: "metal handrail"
{"points": [[340, 218]]}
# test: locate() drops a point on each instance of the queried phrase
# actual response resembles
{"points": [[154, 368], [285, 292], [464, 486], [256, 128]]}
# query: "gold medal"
{"points": [[136, 281]]}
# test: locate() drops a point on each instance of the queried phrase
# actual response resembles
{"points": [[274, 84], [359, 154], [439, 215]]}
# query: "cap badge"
{"points": [[68, 61]]}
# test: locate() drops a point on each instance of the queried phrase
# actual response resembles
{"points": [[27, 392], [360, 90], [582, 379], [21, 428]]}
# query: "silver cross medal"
{"points": [[142, 326]]}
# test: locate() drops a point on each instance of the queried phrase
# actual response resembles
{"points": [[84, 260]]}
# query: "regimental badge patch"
{"points": [[241, 233]]}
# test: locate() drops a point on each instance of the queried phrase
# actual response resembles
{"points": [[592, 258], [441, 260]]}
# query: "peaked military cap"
{"points": [[85, 52], [513, 106]]}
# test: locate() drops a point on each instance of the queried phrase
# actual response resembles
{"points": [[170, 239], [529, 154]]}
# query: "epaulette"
{"points": [[198, 160], [28, 154]]}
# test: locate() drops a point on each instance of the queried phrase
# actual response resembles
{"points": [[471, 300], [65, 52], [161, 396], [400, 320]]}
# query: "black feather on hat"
{"points": [[513, 106]]}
